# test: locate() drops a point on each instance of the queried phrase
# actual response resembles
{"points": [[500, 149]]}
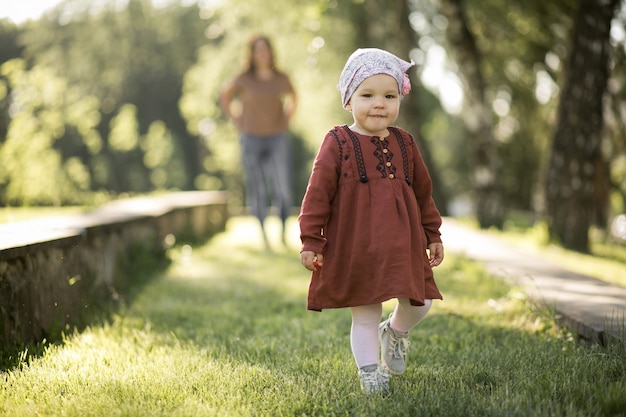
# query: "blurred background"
{"points": [[518, 106]]}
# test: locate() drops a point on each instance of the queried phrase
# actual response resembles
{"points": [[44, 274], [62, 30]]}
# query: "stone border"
{"points": [[54, 269]]}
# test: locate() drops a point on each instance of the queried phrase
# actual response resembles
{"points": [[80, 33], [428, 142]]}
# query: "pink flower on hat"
{"points": [[406, 85]]}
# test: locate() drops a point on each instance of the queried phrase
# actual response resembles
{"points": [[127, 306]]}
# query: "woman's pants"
{"points": [[266, 162]]}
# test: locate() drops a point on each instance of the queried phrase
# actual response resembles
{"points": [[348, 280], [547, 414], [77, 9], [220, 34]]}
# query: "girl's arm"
{"points": [[423, 187], [321, 189]]}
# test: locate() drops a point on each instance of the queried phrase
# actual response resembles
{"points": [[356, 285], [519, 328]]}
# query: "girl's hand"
{"points": [[435, 254], [311, 260]]}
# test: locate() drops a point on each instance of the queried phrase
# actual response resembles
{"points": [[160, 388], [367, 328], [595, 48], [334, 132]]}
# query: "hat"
{"points": [[364, 63]]}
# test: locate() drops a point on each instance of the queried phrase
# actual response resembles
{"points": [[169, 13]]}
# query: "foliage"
{"points": [[224, 331], [43, 107], [524, 47], [127, 65], [520, 44]]}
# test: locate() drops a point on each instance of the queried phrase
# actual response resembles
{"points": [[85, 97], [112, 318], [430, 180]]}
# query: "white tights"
{"points": [[365, 321]]}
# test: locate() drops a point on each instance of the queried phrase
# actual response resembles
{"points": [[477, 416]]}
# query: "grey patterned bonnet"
{"points": [[364, 63]]}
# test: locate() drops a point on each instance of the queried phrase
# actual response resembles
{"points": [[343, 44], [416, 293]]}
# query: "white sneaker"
{"points": [[374, 381], [393, 348]]}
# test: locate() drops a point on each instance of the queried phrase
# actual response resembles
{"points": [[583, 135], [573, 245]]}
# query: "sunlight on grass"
{"points": [[224, 331]]}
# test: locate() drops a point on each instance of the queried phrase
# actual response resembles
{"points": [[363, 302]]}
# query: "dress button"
{"points": [[388, 164], [385, 150], [382, 139], [391, 176]]}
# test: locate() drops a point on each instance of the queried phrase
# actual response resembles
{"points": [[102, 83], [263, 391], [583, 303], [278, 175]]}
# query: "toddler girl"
{"points": [[368, 223]]}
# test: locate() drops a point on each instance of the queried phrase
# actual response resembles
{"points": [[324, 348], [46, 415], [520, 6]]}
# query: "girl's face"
{"points": [[375, 105]]}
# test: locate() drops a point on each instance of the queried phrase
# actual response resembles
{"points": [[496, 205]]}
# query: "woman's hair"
{"points": [[251, 45]]}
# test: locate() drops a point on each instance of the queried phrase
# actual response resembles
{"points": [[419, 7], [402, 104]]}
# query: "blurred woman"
{"points": [[267, 102]]}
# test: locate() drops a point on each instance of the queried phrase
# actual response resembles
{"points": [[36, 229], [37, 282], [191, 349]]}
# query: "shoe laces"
{"points": [[383, 377], [399, 346], [373, 381], [370, 378]]}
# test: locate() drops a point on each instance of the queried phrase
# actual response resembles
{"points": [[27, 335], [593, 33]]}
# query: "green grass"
{"points": [[224, 331]]}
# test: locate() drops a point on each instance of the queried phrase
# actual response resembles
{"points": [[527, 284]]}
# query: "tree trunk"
{"points": [[478, 118], [575, 149]]}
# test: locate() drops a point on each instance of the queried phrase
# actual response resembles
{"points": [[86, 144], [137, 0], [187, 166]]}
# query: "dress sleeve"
{"points": [[321, 189], [423, 188]]}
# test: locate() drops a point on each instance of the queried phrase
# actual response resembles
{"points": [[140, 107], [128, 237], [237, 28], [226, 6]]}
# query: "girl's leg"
{"points": [[406, 316], [394, 334], [364, 334], [364, 342]]}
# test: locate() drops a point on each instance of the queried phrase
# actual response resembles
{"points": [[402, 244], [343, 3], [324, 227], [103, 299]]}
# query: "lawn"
{"points": [[224, 331]]}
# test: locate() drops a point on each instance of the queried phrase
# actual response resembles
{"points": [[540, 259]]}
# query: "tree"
{"points": [[34, 169], [9, 49], [136, 55], [575, 154], [614, 145], [485, 161], [133, 56]]}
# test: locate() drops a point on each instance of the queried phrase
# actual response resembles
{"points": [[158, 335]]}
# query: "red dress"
{"points": [[368, 209]]}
